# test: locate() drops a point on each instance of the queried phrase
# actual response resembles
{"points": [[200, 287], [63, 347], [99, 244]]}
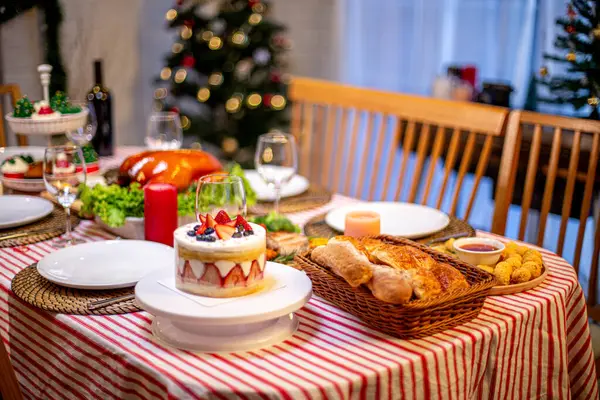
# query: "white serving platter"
{"points": [[297, 185], [398, 219], [22, 210], [109, 264]]}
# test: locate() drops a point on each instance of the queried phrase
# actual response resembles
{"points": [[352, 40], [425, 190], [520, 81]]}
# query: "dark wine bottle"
{"points": [[100, 98]]}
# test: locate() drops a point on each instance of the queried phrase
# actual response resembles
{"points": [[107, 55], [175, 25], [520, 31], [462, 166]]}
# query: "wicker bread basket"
{"points": [[415, 319]]}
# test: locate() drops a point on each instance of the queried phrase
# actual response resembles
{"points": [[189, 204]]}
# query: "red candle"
{"points": [[160, 212]]}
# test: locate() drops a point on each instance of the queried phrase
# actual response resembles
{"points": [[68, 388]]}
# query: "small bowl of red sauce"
{"points": [[478, 251]]}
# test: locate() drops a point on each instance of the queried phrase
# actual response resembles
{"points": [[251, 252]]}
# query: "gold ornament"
{"points": [[233, 104], [165, 73], [185, 122], [596, 32], [203, 94], [171, 15], [544, 71], [255, 19], [571, 56], [176, 48], [593, 101], [278, 102], [160, 93], [239, 38], [207, 35], [229, 145], [215, 43], [215, 79], [259, 8], [253, 100], [186, 32], [180, 75]]}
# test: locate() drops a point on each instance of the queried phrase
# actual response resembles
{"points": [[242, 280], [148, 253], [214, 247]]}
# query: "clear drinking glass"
{"points": [[276, 161], [220, 192], [62, 181], [84, 135], [164, 131]]}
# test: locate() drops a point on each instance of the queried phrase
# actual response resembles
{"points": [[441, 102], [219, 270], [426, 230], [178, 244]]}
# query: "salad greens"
{"points": [[115, 203], [276, 222]]}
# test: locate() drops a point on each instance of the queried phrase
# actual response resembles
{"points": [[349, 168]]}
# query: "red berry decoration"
{"points": [[189, 23], [188, 61], [210, 221], [275, 77], [224, 232], [222, 218], [175, 110], [267, 99], [570, 29], [241, 221], [252, 3], [45, 110]]}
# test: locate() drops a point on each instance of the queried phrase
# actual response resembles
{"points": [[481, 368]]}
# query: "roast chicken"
{"points": [[177, 167]]}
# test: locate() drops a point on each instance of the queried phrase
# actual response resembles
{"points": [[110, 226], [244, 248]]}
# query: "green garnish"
{"points": [[115, 203], [284, 259], [276, 222]]}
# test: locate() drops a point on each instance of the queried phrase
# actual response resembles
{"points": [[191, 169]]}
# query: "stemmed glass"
{"points": [[220, 192], [83, 135], [276, 161], [164, 131], [62, 181]]}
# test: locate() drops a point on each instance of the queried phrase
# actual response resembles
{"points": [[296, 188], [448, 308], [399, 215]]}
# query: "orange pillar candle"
{"points": [[362, 223]]}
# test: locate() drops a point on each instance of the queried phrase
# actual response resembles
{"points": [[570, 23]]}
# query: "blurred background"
{"points": [[395, 45]]}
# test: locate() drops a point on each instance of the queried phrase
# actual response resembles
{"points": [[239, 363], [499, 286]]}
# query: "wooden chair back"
{"points": [[9, 386], [15, 94], [563, 133], [335, 123]]}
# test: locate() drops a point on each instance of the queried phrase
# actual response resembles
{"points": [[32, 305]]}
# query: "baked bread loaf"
{"points": [[392, 273], [344, 260], [177, 167], [390, 285], [286, 243]]}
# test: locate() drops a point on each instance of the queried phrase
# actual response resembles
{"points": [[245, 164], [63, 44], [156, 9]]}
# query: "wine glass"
{"points": [[276, 161], [164, 131], [220, 192], [83, 135], [62, 180]]}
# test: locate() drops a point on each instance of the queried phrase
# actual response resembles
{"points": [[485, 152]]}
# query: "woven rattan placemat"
{"points": [[36, 290], [314, 197], [317, 227], [50, 227]]}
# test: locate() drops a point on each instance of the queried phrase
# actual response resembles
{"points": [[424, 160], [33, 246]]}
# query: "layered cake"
{"points": [[220, 257]]}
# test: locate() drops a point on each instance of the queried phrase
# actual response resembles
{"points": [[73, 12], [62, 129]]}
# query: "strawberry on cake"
{"points": [[221, 257]]}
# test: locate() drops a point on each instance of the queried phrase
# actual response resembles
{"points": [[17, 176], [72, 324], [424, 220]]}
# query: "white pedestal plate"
{"points": [[225, 325]]}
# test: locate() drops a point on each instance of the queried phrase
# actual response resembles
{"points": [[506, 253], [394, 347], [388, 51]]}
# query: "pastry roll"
{"points": [[390, 285], [449, 277], [344, 260]]}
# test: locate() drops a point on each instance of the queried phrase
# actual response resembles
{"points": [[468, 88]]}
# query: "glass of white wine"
{"points": [[164, 131], [62, 181], [276, 161]]}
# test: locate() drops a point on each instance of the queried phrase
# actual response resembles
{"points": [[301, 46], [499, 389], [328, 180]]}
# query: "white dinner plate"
{"points": [[108, 264], [297, 185], [23, 185], [22, 210], [399, 219]]}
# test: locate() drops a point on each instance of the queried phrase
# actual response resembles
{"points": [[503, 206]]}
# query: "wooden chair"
{"points": [[328, 119], [581, 139], [15, 94], [9, 386]]}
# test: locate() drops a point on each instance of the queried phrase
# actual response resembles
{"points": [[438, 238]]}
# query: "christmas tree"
{"points": [[225, 72], [580, 46]]}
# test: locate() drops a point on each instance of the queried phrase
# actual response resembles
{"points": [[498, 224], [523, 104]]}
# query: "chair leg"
{"points": [[9, 386]]}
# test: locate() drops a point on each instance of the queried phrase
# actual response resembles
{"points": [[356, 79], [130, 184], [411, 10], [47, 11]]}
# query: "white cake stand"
{"points": [[225, 325]]}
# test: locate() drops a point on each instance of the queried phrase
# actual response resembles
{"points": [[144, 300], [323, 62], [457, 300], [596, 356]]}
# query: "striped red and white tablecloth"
{"points": [[529, 345]]}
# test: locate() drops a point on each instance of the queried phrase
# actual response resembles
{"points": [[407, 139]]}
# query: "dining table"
{"points": [[534, 344]]}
